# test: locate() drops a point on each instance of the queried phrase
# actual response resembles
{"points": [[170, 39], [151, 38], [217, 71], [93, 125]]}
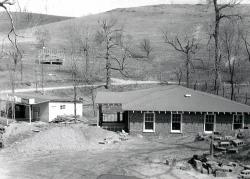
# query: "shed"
{"points": [[38, 107]]}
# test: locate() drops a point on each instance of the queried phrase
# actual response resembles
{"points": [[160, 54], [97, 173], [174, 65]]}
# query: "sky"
{"points": [[78, 8]]}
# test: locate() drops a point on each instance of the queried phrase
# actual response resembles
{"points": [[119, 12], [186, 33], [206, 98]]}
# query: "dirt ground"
{"points": [[140, 157]]}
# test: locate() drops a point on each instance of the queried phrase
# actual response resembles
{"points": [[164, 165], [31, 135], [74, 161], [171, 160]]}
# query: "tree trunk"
{"points": [[75, 102], [187, 70], [232, 87], [42, 78], [216, 49], [232, 91], [21, 71], [108, 69], [108, 76], [87, 62], [93, 101], [13, 109]]}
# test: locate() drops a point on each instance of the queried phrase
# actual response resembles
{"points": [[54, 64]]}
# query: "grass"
{"points": [[139, 23], [23, 20]]}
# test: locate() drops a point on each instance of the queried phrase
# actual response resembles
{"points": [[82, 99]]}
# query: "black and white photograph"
{"points": [[124, 89]]}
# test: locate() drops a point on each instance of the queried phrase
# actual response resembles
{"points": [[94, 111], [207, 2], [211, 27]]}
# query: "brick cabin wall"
{"points": [[162, 123], [135, 122], [191, 123]]}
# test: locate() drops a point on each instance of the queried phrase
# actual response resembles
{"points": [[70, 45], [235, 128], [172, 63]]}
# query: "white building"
{"points": [[37, 107]]}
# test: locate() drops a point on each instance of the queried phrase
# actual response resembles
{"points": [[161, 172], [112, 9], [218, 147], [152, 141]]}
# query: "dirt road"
{"points": [[115, 82]]}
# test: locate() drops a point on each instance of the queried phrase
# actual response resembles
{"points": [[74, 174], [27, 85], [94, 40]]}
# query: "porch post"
{"points": [[30, 117], [98, 115], [128, 122], [121, 116]]}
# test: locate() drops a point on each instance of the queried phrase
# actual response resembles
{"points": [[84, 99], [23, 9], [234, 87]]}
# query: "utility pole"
{"points": [[36, 78], [212, 146], [43, 54]]}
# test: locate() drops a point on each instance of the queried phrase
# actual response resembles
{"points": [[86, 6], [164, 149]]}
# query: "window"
{"points": [[176, 123], [62, 106], [209, 124], [149, 122], [237, 121], [110, 117]]}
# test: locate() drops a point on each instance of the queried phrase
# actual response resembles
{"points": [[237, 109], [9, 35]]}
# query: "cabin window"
{"points": [[176, 122], [237, 121], [149, 122], [110, 117], [62, 106], [209, 124]]}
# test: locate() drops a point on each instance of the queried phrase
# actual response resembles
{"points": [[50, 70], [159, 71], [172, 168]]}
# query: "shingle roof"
{"points": [[171, 98]]}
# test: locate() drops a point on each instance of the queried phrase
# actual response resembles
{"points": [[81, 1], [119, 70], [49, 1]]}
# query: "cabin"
{"points": [[38, 107], [170, 109]]}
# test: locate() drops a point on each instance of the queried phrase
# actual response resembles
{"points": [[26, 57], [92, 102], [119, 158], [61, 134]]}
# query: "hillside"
{"points": [[148, 22], [138, 23], [24, 20]]}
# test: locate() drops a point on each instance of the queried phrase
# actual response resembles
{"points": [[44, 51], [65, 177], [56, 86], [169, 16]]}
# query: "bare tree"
{"points": [[146, 47], [84, 43], [178, 73], [75, 81], [12, 37], [14, 59], [246, 43], [42, 36], [80, 42], [230, 38], [188, 47], [115, 52], [220, 14]]}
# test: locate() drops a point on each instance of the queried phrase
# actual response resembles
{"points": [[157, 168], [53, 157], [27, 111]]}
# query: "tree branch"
{"points": [[12, 29], [247, 45], [231, 4]]}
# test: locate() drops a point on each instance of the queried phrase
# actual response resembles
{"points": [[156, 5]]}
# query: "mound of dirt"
{"points": [[67, 138], [17, 131]]}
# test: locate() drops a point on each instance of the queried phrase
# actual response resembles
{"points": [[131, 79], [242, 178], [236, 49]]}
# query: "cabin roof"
{"points": [[171, 98]]}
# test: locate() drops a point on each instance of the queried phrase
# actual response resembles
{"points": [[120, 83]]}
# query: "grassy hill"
{"points": [[138, 23], [148, 22], [24, 20]]}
